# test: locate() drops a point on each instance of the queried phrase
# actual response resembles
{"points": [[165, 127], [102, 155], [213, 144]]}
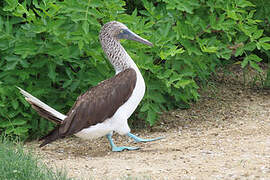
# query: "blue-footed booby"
{"points": [[106, 107]]}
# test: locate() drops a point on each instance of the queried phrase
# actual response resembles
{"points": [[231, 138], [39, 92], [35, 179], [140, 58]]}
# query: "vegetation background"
{"points": [[50, 48]]}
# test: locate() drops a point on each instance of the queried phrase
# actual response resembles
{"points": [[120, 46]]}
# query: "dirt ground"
{"points": [[225, 135]]}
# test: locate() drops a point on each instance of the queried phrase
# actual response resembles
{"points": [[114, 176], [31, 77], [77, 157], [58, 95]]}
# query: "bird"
{"points": [[106, 107]]}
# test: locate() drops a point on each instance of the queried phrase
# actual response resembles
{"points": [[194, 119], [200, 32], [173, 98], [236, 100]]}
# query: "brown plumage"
{"points": [[95, 106], [46, 114]]}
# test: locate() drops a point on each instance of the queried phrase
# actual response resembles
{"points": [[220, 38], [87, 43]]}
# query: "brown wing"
{"points": [[96, 105]]}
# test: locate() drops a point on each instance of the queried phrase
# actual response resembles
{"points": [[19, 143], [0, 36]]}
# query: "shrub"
{"points": [[51, 49]]}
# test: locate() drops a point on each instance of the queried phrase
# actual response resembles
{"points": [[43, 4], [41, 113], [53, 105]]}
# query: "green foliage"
{"points": [[16, 164], [50, 48]]}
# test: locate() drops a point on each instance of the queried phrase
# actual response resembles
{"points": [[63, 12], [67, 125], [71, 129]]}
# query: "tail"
{"points": [[43, 109]]}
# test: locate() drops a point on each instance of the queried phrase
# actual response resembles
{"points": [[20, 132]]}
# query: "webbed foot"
{"points": [[138, 139]]}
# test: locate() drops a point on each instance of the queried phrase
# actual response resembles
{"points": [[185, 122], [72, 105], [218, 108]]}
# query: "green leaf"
{"points": [[252, 60], [21, 10], [145, 107], [157, 97], [244, 3], [67, 83], [12, 4], [171, 52], [266, 46], [74, 85], [80, 44], [9, 130], [233, 15], [250, 46], [19, 122], [52, 73], [11, 65], [165, 74], [239, 52], [257, 34], [245, 62], [20, 130], [5, 124], [209, 49], [15, 104], [85, 27], [183, 83], [254, 57], [255, 66], [151, 116], [264, 39]]}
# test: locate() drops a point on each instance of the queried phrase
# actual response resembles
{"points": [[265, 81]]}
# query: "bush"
{"points": [[50, 48]]}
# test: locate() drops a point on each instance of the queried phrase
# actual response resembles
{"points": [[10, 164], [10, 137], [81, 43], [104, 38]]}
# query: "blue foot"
{"points": [[137, 139], [118, 149]]}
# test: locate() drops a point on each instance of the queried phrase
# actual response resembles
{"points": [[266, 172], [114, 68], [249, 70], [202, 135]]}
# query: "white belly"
{"points": [[118, 122]]}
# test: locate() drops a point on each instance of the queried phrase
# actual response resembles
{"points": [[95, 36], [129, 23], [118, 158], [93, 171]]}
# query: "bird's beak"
{"points": [[127, 34]]}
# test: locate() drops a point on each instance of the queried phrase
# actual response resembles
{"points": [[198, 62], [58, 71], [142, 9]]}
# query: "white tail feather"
{"points": [[41, 104]]}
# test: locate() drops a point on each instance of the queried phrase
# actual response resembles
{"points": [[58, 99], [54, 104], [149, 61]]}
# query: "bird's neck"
{"points": [[118, 56]]}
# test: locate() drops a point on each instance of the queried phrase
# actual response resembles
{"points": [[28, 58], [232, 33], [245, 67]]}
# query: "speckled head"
{"points": [[110, 36], [117, 31]]}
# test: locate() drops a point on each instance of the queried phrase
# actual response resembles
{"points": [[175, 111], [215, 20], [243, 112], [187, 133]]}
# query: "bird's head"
{"points": [[119, 31]]}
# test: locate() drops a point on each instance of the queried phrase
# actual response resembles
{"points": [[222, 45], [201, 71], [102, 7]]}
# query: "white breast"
{"points": [[125, 111], [118, 122]]}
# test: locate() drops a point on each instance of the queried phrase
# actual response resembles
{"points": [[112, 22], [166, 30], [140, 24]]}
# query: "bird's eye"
{"points": [[121, 31]]}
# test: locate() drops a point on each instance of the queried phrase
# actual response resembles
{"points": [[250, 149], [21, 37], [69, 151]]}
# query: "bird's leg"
{"points": [[118, 149], [137, 139]]}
